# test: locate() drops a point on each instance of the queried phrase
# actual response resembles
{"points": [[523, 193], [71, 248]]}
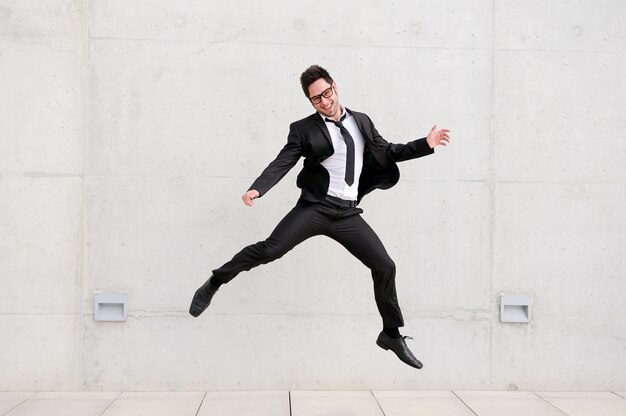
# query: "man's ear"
{"points": [[335, 87]]}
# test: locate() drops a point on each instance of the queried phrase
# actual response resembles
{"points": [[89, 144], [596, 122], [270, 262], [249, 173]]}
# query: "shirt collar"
{"points": [[344, 111]]}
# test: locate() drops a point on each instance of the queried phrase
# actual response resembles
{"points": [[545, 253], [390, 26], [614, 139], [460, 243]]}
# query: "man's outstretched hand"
{"points": [[249, 197], [438, 137]]}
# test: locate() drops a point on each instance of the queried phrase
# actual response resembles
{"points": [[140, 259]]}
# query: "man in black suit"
{"points": [[344, 159]]}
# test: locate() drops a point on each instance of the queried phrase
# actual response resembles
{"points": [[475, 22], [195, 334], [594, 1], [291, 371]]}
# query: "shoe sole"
{"points": [[197, 312], [386, 348]]}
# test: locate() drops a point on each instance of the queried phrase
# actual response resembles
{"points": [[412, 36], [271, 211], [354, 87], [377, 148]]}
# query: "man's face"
{"points": [[327, 106]]}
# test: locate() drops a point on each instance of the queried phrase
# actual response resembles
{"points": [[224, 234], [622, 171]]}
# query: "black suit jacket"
{"points": [[310, 138]]}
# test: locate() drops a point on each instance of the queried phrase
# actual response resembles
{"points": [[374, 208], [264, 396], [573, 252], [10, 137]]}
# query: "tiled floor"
{"points": [[315, 403]]}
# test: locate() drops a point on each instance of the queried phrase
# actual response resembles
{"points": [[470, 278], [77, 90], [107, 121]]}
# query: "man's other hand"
{"points": [[249, 197], [438, 137]]}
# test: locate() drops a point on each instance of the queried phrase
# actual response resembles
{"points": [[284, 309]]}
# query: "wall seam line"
{"points": [[85, 133], [492, 188]]}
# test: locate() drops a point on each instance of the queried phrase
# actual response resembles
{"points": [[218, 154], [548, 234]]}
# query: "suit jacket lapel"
{"points": [[360, 122], [317, 119]]}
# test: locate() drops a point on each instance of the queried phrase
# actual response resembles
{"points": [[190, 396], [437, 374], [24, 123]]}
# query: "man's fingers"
{"points": [[249, 197]]}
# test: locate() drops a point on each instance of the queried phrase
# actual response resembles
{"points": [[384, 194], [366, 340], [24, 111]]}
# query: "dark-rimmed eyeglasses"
{"points": [[327, 93]]}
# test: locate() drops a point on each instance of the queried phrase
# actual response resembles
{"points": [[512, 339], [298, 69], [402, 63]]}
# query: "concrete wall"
{"points": [[129, 131]]}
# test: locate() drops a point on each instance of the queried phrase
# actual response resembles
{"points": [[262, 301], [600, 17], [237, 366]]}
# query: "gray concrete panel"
{"points": [[41, 112], [557, 116], [40, 243], [188, 108], [224, 109], [563, 244], [570, 352], [560, 25], [403, 23], [40, 351], [49, 19], [309, 351], [201, 224]]}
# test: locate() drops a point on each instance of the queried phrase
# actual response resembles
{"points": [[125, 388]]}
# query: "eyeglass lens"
{"points": [[327, 93]]}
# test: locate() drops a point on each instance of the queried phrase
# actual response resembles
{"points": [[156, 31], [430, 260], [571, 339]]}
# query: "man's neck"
{"points": [[337, 116]]}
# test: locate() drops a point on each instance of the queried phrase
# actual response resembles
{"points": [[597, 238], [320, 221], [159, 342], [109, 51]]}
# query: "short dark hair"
{"points": [[312, 74]]}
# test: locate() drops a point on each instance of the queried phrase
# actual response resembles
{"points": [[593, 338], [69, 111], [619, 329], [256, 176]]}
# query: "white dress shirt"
{"points": [[336, 164]]}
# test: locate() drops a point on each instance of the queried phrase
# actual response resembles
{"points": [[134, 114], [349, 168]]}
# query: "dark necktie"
{"points": [[349, 176]]}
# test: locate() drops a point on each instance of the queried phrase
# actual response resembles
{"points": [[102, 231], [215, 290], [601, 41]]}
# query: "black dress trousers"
{"points": [[344, 225]]}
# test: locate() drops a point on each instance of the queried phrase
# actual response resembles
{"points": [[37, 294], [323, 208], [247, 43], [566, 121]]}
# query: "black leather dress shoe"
{"points": [[398, 346], [202, 298]]}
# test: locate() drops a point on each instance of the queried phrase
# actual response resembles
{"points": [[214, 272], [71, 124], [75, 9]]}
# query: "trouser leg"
{"points": [[361, 241], [303, 221]]}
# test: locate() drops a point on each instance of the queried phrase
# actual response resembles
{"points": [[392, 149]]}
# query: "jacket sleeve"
{"points": [[286, 159], [401, 152]]}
